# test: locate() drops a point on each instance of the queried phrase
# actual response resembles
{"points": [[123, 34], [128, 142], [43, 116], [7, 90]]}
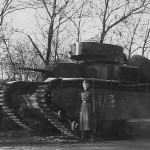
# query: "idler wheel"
{"points": [[61, 114], [74, 126]]}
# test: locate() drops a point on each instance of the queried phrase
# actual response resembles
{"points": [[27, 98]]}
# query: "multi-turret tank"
{"points": [[122, 93]]}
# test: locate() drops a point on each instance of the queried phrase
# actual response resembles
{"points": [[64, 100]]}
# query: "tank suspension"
{"points": [[10, 112], [49, 110]]}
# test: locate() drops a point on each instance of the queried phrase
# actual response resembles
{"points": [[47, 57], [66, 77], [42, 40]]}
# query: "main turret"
{"points": [[92, 51]]}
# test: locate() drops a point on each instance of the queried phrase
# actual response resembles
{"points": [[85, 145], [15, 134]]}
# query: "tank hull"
{"points": [[117, 105], [130, 101]]}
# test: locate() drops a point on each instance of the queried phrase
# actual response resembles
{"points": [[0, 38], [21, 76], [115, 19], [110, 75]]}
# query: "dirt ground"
{"points": [[30, 144], [22, 140]]}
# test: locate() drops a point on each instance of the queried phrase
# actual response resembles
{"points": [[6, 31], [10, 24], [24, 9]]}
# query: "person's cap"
{"points": [[85, 82]]}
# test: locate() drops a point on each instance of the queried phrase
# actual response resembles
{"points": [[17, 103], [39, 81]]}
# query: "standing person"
{"points": [[87, 121]]}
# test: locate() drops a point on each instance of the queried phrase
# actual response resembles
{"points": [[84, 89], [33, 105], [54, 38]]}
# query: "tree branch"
{"points": [[36, 48]]}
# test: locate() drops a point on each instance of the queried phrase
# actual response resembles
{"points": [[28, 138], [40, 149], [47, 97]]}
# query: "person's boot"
{"points": [[92, 136], [82, 135]]}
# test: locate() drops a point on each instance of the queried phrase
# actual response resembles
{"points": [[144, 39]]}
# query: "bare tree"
{"points": [[56, 13], [5, 8], [137, 39], [132, 36], [146, 40], [9, 56], [114, 12], [79, 19], [9, 6]]}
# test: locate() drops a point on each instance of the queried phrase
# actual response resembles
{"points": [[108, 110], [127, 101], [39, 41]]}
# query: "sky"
{"points": [[22, 20]]}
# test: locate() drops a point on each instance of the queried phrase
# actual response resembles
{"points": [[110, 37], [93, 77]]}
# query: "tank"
{"points": [[52, 106]]}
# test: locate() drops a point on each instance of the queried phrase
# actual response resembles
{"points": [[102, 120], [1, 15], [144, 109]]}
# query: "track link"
{"points": [[43, 92], [9, 112]]}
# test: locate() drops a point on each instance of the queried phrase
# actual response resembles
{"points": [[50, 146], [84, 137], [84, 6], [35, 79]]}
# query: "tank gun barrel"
{"points": [[45, 71]]}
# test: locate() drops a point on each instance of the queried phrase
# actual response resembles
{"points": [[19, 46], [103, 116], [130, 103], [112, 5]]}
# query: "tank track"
{"points": [[50, 113], [9, 112], [43, 93]]}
